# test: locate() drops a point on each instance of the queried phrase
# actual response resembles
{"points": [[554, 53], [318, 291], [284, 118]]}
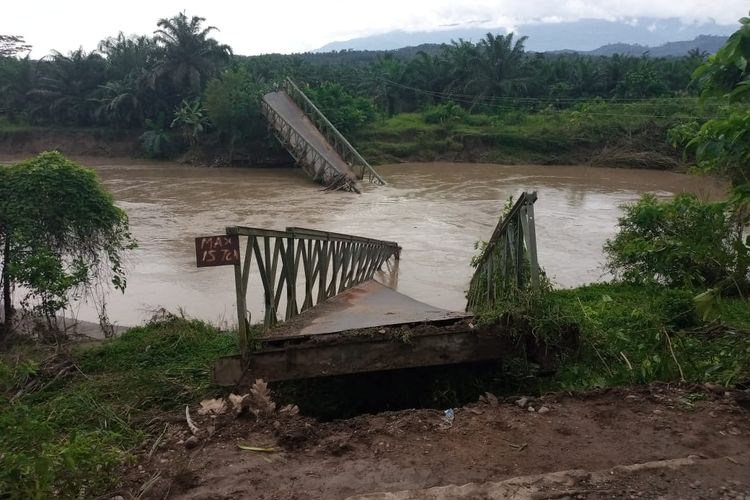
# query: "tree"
{"points": [[233, 106], [66, 86], [191, 58], [61, 233], [191, 119], [498, 72], [346, 111], [128, 97], [384, 73], [17, 78], [722, 145], [12, 45]]}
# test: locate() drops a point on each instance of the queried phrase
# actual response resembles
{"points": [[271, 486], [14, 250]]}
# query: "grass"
{"points": [[630, 334], [588, 132], [67, 439]]}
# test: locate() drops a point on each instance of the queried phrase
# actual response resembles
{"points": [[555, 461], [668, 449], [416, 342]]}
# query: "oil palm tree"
{"points": [[190, 56], [67, 87], [125, 98], [499, 70]]}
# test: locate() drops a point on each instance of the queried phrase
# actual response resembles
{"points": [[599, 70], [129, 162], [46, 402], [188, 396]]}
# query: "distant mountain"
{"points": [[704, 43], [585, 35]]}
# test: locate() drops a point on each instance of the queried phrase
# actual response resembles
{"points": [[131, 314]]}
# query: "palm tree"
{"points": [[127, 56], [190, 57], [462, 59], [385, 76], [66, 90], [126, 97], [17, 78], [499, 69]]}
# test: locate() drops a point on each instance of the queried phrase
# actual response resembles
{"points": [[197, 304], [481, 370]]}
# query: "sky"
{"points": [[267, 26]]}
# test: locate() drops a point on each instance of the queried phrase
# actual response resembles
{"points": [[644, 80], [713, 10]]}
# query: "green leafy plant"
{"points": [[61, 232], [721, 145], [233, 105], [191, 119], [446, 113], [680, 243], [67, 438], [155, 140], [346, 111]]}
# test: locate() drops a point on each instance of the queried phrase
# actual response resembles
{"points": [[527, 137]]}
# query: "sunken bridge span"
{"points": [[312, 140]]}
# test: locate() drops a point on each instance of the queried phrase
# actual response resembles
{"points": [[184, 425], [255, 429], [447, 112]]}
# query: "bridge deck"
{"points": [[367, 328], [287, 109], [368, 305]]}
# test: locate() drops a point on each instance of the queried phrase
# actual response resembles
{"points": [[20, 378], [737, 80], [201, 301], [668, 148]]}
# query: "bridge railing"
{"points": [[508, 263], [305, 266], [342, 146]]}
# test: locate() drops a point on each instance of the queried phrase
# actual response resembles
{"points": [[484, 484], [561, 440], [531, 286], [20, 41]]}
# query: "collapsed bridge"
{"points": [[338, 319], [312, 140]]}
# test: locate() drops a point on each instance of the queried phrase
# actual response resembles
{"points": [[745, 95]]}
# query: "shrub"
{"points": [[449, 112], [61, 233], [679, 243], [233, 105], [347, 112]]}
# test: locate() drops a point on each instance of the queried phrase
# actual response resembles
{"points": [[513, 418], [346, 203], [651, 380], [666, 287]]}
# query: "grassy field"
{"points": [[595, 132]]}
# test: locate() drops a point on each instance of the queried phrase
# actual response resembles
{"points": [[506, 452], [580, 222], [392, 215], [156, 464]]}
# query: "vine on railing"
{"points": [[508, 263]]}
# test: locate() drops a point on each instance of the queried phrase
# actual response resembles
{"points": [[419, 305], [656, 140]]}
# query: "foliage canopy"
{"points": [[61, 231], [682, 243]]}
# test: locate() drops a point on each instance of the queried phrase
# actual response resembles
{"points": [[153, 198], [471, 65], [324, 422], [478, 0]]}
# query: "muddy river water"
{"points": [[435, 211]]}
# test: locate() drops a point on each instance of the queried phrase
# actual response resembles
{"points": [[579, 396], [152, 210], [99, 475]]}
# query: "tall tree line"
{"points": [[143, 82]]}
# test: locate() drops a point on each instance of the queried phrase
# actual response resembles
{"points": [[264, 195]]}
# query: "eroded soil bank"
{"points": [[486, 441]]}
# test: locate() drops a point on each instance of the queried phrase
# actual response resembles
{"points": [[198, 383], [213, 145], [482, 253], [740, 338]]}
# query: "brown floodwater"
{"points": [[435, 211]]}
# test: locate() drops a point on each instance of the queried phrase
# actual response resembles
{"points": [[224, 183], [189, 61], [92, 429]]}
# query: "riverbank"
{"points": [[596, 133], [84, 420]]}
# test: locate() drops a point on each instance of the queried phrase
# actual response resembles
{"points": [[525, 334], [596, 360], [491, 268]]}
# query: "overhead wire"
{"points": [[506, 106]]}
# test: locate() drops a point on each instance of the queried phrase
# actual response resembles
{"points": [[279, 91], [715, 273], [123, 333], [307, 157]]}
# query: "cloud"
{"points": [[287, 26]]}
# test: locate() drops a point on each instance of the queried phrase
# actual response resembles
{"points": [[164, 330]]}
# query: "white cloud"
{"points": [[287, 26]]}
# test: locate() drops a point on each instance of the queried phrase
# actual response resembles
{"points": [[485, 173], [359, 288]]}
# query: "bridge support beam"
{"points": [[399, 346]]}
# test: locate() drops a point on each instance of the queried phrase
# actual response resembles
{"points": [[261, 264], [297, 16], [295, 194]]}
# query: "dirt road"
{"points": [[708, 431]]}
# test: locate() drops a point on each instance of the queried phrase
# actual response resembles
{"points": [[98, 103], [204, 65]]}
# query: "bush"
{"points": [[347, 112], [233, 105], [680, 243], [450, 112], [62, 234]]}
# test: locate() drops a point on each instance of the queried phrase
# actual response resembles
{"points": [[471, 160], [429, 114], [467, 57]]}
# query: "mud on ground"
{"points": [[489, 441]]}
